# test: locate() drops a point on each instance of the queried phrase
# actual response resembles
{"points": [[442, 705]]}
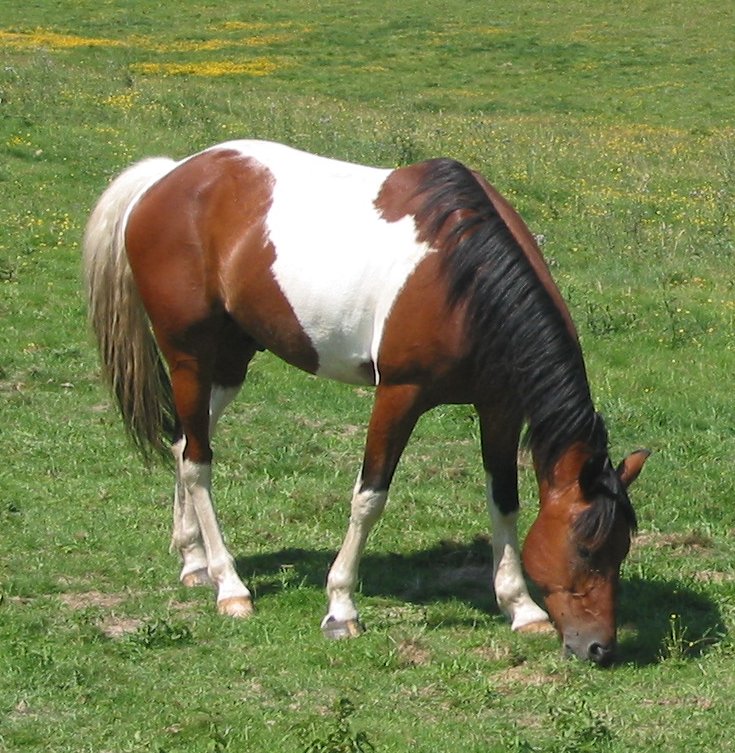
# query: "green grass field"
{"points": [[610, 127]]}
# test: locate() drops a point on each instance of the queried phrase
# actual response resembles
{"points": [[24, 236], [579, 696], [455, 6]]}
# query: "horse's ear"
{"points": [[591, 474], [631, 466]]}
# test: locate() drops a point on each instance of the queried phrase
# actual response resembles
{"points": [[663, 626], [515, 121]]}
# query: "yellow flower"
{"points": [[123, 102], [257, 67], [43, 38]]}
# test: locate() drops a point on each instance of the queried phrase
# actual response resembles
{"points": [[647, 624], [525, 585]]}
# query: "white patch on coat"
{"points": [[338, 262]]}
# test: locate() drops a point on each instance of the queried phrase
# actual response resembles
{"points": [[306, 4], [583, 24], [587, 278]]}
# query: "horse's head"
{"points": [[574, 550]]}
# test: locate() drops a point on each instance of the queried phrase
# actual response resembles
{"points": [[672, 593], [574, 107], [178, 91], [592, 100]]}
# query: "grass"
{"points": [[612, 134]]}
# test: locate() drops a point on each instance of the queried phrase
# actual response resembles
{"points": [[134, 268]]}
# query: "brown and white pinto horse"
{"points": [[421, 281]]}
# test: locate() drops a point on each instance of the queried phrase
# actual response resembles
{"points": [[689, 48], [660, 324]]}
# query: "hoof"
{"points": [[338, 629], [540, 627], [196, 578], [235, 606]]}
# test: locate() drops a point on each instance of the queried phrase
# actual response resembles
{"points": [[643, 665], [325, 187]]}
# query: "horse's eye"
{"points": [[585, 553]]}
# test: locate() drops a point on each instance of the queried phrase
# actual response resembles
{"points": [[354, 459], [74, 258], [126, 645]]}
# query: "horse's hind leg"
{"points": [[201, 393], [186, 537], [236, 350], [500, 457], [394, 415]]}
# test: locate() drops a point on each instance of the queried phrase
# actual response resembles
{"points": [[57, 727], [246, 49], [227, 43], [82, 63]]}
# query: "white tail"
{"points": [[131, 362]]}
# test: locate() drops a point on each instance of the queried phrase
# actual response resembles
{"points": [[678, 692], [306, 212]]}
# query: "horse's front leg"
{"points": [[394, 416], [342, 620], [511, 591], [500, 458]]}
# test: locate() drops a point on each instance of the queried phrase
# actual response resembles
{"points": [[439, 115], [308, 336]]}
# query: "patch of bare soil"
{"points": [[112, 625], [689, 702], [689, 540], [412, 654], [88, 599], [521, 674], [493, 652], [116, 626], [713, 576]]}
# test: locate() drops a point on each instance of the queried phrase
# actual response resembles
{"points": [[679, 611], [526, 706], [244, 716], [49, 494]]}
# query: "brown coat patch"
{"points": [[218, 252], [423, 339]]}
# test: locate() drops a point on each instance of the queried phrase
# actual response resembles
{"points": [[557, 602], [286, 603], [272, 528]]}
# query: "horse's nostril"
{"points": [[600, 654]]}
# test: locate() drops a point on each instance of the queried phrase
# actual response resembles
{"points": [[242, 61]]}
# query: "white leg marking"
{"points": [[221, 564], [511, 592], [186, 537], [221, 397], [367, 507]]}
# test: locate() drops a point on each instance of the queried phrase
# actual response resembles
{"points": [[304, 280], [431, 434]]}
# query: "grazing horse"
{"points": [[420, 281]]}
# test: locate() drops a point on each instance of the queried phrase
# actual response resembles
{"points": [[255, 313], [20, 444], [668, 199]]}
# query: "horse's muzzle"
{"points": [[590, 649]]}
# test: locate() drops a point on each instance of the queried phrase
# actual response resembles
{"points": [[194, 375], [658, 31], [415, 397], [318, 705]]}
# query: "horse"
{"points": [[422, 282]]}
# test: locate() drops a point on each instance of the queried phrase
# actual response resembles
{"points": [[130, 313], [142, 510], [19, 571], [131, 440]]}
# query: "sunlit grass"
{"points": [[611, 130]]}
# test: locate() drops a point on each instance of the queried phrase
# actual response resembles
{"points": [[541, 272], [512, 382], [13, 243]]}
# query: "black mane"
{"points": [[522, 343], [610, 499]]}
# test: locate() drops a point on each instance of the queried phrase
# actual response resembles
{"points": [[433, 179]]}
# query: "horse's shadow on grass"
{"points": [[659, 619], [666, 619]]}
